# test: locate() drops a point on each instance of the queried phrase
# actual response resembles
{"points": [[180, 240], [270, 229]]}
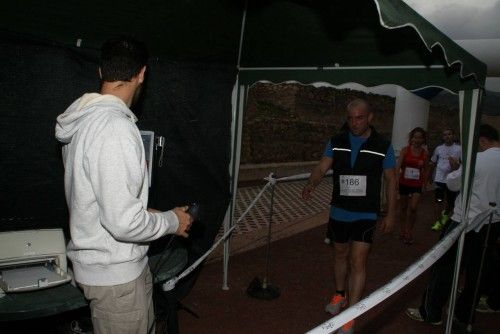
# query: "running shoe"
{"points": [[436, 226], [347, 328], [441, 222], [414, 313], [336, 304]]}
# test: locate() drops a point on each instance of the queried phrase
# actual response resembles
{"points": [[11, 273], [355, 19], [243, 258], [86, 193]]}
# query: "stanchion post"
{"points": [[264, 289], [268, 247]]}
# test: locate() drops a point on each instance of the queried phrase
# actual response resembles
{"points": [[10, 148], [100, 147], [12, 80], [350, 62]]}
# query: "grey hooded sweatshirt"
{"points": [[106, 187]]}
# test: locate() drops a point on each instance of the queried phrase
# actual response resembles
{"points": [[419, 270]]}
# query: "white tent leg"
{"points": [[238, 99], [469, 119], [227, 226], [235, 154]]}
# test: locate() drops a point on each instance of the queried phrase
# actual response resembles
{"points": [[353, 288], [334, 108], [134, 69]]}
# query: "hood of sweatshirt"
{"points": [[69, 122]]}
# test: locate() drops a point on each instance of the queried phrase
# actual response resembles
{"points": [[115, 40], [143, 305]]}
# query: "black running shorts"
{"points": [[359, 230], [407, 190]]}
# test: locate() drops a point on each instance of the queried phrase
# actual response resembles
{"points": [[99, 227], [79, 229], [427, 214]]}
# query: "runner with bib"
{"points": [[413, 171], [359, 157]]}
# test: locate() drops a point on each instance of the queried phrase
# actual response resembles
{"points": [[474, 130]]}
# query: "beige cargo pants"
{"points": [[122, 309]]}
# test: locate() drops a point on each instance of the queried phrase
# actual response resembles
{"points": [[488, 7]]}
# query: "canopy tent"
{"points": [[369, 43], [196, 42]]}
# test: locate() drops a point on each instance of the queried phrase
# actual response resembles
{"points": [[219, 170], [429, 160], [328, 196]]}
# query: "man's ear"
{"points": [[100, 73], [370, 117], [142, 74]]}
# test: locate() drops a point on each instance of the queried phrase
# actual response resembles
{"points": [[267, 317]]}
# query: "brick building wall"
{"points": [[292, 122]]}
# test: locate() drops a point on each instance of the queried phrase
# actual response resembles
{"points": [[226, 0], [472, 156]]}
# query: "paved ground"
{"points": [[290, 214], [301, 266], [288, 206]]}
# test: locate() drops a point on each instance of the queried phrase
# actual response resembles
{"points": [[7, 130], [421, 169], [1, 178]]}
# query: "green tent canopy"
{"points": [[370, 43]]}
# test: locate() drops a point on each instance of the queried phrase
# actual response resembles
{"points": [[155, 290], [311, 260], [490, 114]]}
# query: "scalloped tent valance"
{"points": [[370, 43]]}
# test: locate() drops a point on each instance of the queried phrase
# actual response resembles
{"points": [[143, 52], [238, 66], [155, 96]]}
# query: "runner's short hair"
{"points": [[357, 103]]}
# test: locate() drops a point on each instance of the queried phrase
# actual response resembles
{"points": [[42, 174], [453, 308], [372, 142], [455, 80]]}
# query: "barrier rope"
{"points": [[170, 284], [400, 281], [271, 180]]}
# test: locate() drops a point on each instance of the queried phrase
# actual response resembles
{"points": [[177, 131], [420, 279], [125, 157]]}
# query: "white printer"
{"points": [[32, 260]]}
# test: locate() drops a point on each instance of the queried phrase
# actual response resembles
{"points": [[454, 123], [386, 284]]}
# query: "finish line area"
{"points": [[301, 265]]}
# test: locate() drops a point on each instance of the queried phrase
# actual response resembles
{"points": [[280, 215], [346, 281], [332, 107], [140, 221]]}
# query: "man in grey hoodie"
{"points": [[106, 187]]}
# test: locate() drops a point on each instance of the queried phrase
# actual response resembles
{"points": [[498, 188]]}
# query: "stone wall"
{"points": [[442, 117], [292, 122]]}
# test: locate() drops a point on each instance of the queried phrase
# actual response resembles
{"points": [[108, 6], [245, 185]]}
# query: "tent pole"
{"points": [[234, 166], [228, 219], [242, 33], [238, 105], [469, 121], [454, 285]]}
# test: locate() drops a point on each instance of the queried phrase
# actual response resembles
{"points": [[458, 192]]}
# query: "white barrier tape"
{"points": [[478, 221], [297, 177], [398, 282], [170, 284]]}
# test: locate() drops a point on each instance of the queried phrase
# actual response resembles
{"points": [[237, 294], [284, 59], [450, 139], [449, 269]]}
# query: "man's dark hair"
{"points": [[122, 58], [449, 129], [488, 132]]}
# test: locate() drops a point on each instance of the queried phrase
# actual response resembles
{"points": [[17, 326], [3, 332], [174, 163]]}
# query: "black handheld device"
{"points": [[194, 210]]}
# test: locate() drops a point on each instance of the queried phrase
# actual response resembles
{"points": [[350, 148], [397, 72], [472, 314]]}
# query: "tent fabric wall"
{"points": [[37, 84], [178, 30], [188, 103]]}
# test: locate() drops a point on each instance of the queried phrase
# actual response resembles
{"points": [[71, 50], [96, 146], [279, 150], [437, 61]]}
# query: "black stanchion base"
{"points": [[257, 289]]}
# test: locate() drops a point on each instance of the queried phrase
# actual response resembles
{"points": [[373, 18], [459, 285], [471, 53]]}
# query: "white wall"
{"points": [[492, 84], [410, 111]]}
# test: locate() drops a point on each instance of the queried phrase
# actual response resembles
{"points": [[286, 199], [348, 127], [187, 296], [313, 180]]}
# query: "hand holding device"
{"points": [[194, 210], [185, 220]]}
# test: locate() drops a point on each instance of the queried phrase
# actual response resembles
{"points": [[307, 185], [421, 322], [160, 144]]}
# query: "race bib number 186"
{"points": [[352, 185]]}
